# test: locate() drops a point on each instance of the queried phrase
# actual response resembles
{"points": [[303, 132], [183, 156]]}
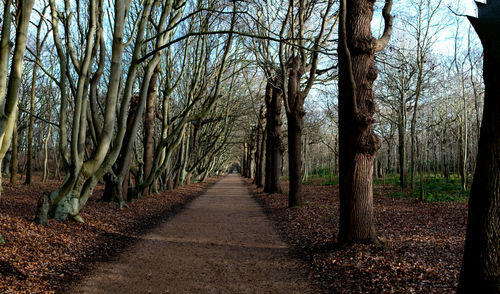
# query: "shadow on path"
{"points": [[220, 243]]}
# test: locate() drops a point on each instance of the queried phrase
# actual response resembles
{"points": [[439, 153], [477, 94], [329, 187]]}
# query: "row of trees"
{"points": [[125, 93], [438, 99]]}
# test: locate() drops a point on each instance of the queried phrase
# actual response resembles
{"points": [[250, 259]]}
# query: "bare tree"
{"points": [[9, 98]]}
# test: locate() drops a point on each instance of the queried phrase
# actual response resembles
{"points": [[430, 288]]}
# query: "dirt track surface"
{"points": [[221, 243]]}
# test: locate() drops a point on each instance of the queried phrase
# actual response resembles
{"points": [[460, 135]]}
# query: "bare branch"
{"points": [[381, 43]]}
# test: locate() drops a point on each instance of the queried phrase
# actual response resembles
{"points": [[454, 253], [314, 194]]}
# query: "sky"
{"points": [[469, 7]]}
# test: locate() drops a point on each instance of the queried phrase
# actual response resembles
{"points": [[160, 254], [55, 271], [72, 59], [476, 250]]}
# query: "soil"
{"points": [[222, 242]]}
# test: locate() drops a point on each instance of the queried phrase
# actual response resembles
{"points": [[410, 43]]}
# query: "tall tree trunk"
{"points": [[8, 103], [244, 161], [29, 156], [462, 157], [295, 125], [262, 156], [14, 159], [113, 191], [149, 125], [274, 145], [357, 139], [46, 141], [258, 149], [481, 262], [295, 118], [194, 145], [402, 146]]}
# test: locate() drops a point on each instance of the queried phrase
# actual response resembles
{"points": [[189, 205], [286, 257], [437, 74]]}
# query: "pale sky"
{"points": [[470, 7]]}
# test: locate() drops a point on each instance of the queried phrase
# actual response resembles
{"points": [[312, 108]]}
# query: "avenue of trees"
{"points": [[146, 96]]}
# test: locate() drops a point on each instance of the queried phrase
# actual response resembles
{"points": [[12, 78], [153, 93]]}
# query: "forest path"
{"points": [[222, 242]]}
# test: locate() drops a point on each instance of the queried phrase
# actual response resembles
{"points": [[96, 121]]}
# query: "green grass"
{"points": [[389, 179], [438, 189], [327, 182]]}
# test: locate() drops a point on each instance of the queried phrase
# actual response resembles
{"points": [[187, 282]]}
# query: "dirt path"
{"points": [[221, 243]]}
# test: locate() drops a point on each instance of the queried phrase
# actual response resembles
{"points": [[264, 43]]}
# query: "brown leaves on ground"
{"points": [[423, 252], [46, 259]]}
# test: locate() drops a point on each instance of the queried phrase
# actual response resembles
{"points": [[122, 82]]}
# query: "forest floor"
{"points": [[46, 259], [422, 254]]}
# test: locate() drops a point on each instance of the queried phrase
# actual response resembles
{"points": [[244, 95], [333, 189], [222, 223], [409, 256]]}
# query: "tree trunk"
{"points": [[258, 149], [295, 125], [274, 145], [45, 175], [402, 150], [29, 156], [261, 179], [149, 117], [113, 191], [462, 146], [14, 160], [481, 262], [8, 104], [194, 145], [357, 139]]}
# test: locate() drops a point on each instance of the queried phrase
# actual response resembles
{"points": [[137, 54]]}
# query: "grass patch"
{"points": [[438, 189]]}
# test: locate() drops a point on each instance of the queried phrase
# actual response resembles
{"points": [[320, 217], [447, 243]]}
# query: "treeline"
{"points": [[129, 94]]}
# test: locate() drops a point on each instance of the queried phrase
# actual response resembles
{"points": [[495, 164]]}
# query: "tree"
{"points": [[9, 92], [295, 63], [39, 42], [357, 140], [82, 176], [274, 141], [481, 262], [9, 98]]}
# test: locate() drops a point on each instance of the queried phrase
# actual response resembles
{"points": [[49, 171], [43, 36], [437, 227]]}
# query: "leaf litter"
{"points": [[422, 253]]}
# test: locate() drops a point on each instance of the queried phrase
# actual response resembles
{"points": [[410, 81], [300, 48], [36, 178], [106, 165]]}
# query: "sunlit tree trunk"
{"points": [[46, 141], [71, 196], [149, 118], [8, 103], [14, 160], [357, 139]]}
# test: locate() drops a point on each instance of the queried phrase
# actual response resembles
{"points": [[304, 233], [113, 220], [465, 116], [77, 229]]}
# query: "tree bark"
{"points": [[14, 160], [194, 145], [259, 150], [46, 141], [403, 182], [295, 125], [357, 139], [114, 190], [274, 145], [481, 262], [149, 117], [29, 156]]}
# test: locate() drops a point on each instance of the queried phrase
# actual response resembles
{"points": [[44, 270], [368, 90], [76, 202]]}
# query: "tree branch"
{"points": [[381, 43]]}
